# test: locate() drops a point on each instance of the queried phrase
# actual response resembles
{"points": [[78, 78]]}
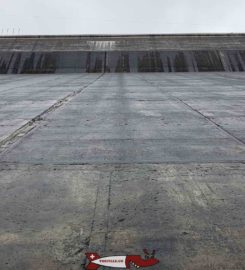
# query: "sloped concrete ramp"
{"points": [[114, 163]]}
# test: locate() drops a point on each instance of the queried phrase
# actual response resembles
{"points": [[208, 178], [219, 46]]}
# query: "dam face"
{"points": [[102, 54], [129, 145]]}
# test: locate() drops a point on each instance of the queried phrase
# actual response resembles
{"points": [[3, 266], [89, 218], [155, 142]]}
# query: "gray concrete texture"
{"points": [[120, 43], [146, 53], [115, 163]]}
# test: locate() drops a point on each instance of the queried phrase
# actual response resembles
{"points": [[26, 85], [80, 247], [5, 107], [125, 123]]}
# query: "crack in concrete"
{"points": [[35, 122]]}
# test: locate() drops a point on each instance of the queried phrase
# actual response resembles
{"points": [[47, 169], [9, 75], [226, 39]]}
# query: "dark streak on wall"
{"points": [[116, 61]]}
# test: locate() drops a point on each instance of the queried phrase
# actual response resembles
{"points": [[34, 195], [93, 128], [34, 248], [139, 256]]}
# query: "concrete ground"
{"points": [[114, 163]]}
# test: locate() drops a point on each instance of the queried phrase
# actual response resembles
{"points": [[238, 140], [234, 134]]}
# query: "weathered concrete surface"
{"points": [[142, 119], [143, 53], [192, 214], [23, 98], [122, 42], [97, 62], [164, 169]]}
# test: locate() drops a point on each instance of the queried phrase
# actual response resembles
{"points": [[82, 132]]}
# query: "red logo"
{"points": [[95, 261]]}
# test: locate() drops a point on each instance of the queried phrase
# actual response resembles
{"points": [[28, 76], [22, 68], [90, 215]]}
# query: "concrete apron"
{"points": [[191, 214], [118, 163]]}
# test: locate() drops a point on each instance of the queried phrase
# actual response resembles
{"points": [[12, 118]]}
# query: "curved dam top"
{"points": [[127, 53]]}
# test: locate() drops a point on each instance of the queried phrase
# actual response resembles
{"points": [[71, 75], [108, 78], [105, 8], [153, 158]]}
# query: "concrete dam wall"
{"points": [[143, 53]]}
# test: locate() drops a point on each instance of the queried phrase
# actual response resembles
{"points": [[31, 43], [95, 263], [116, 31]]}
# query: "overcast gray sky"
{"points": [[121, 16]]}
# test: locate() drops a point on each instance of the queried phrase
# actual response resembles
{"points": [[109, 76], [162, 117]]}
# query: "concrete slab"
{"points": [[164, 169], [41, 217], [193, 214], [133, 118], [24, 97]]}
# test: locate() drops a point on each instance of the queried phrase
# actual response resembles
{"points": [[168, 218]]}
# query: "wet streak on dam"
{"points": [[138, 53]]}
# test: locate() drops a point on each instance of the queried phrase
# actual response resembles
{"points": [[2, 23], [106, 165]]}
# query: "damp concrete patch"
{"points": [[191, 214]]}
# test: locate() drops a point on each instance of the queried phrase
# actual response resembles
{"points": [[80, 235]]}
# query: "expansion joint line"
{"points": [[36, 121], [108, 211], [238, 140], [213, 122]]}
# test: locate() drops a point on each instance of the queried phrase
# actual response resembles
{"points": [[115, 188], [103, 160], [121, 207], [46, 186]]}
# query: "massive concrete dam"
{"points": [[97, 161], [136, 53]]}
